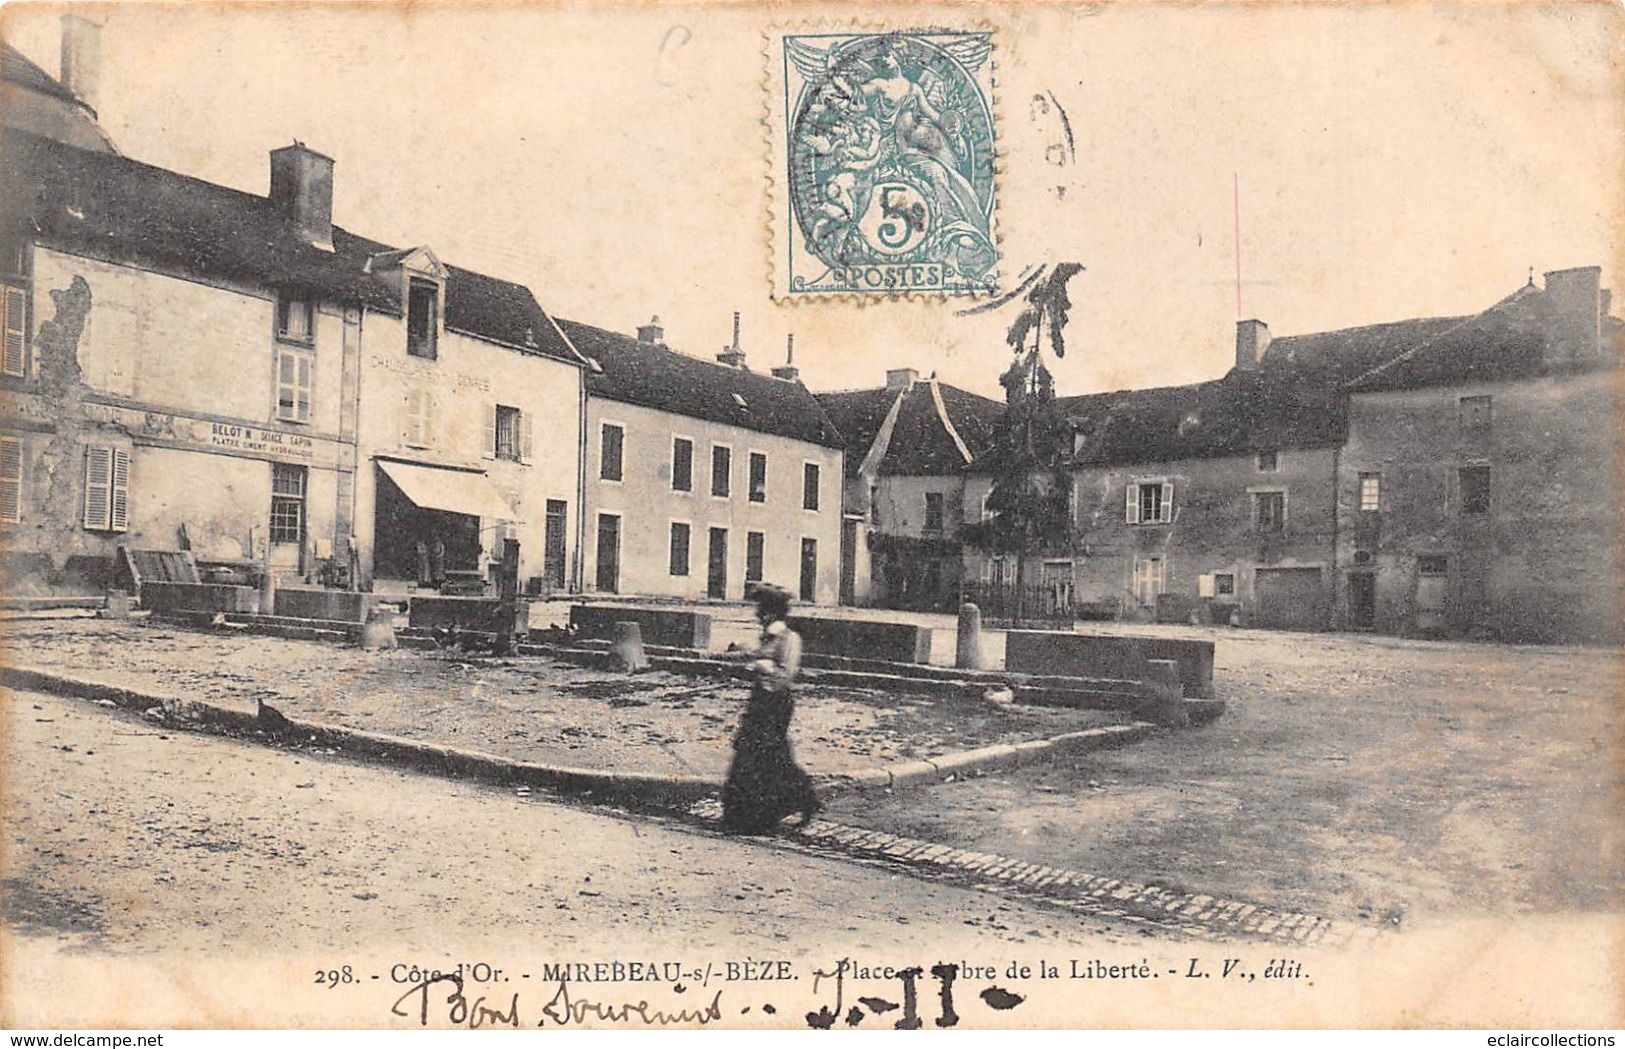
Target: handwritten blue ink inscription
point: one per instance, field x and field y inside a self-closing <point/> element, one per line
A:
<point x="890" y="163"/>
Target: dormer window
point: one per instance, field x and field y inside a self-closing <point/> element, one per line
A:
<point x="295" y="319"/>
<point x="422" y="318"/>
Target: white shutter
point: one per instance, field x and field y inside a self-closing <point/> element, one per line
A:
<point x="526" y="448"/>
<point x="11" y="480"/>
<point x="1132" y="512"/>
<point x="411" y="428"/>
<point x="1167" y="502"/>
<point x="16" y="326"/>
<point x="1204" y="585"/>
<point x="305" y="384"/>
<point x="490" y="451"/>
<point x="98" y="482"/>
<point x="119" y="518"/>
<point x="431" y="421"/>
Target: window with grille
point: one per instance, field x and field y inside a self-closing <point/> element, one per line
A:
<point x="682" y="464"/>
<point x="758" y="477"/>
<point x="287" y="503"/>
<point x="14" y="314"/>
<point x="611" y="439"/>
<point x="294" y="368"/>
<point x="1269" y="511"/>
<point x="679" y="548"/>
<point x="809" y="486"/>
<point x="1370" y="492"/>
<point x="422" y="318"/>
<point x="11" y="480"/>
<point x="107" y="489"/>
<point x="1150" y="502"/>
<point x="295" y="320"/>
<point x="509" y="436"/>
<point x="721" y="469"/>
<point x="933" y="511"/>
<point x="1224" y="584"/>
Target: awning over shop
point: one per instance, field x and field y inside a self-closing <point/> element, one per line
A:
<point x="459" y="491"/>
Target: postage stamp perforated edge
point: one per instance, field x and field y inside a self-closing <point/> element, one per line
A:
<point x="779" y="221"/>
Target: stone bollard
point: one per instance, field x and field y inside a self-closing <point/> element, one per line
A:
<point x="378" y="632"/>
<point x="968" y="646"/>
<point x="626" y="648"/>
<point x="1165" y="695"/>
<point x="118" y="605"/>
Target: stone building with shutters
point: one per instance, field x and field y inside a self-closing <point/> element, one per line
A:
<point x="189" y="366"/>
<point x="1446" y="475"/>
<point x="704" y="477"/>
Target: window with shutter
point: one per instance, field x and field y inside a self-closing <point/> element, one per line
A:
<point x="721" y="470"/>
<point x="527" y="451"/>
<point x="119" y="511"/>
<point x="1131" y="512"/>
<point x="611" y="440"/>
<point x="1166" y="508"/>
<point x="293" y="382"/>
<point x="11" y="480"/>
<point x="107" y="489"/>
<point x="14" y="306"/>
<point x="809" y="486"/>
<point x="682" y="464"/>
<point x="98" y="484"/>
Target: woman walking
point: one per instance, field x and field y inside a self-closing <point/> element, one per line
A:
<point x="764" y="782"/>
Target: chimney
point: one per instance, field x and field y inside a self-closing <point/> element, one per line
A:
<point x="652" y="332"/>
<point x="82" y="58"/>
<point x="302" y="189"/>
<point x="1252" y="339"/>
<point x="901" y="378"/>
<point x="1574" y="298"/>
<point x="788" y="370"/>
<point x="733" y="356"/>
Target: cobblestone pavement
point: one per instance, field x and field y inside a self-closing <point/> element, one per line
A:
<point x="1153" y="908"/>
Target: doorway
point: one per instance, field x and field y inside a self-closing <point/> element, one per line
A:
<point x="1362" y="600"/>
<point x="716" y="573"/>
<point x="609" y="553"/>
<point x="809" y="569"/>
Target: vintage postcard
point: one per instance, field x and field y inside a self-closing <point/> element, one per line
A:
<point x="719" y="516"/>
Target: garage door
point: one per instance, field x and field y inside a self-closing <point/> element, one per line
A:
<point x="1291" y="599"/>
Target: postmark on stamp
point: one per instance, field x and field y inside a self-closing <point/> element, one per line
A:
<point x="886" y="164"/>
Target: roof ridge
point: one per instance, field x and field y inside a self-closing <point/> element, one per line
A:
<point x="1432" y="339"/>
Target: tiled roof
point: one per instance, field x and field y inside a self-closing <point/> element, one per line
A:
<point x="1296" y="398"/>
<point x="858" y="415"/>
<point x="919" y="444"/>
<point x="17" y="68"/>
<point x="653" y="376"/>
<point x="117" y="209"/>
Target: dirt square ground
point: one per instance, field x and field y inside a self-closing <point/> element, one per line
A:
<point x="531" y="709"/>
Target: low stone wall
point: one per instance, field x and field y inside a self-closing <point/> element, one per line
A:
<point x="658" y="626"/>
<point x="349" y="606"/>
<point x="1098" y="656"/>
<point x="198" y="597"/>
<point x="863" y="639"/>
<point x="481" y="614"/>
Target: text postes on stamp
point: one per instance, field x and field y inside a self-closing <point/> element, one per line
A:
<point x="888" y="164"/>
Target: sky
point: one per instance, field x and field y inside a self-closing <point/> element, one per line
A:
<point x="1384" y="161"/>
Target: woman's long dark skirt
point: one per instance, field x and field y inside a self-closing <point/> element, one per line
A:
<point x="764" y="782"/>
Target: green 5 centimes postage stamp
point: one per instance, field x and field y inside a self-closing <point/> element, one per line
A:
<point x="886" y="180"/>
